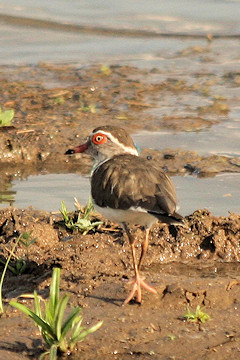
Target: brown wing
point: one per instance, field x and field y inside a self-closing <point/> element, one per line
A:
<point x="128" y="181"/>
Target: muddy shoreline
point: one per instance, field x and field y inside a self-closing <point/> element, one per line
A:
<point x="56" y="106"/>
<point x="190" y="266"/>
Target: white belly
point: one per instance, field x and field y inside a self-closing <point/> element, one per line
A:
<point x="131" y="216"/>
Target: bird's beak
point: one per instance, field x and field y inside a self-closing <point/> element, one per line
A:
<point x="77" y="149"/>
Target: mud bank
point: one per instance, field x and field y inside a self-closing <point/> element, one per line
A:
<point x="193" y="265"/>
<point x="56" y="105"/>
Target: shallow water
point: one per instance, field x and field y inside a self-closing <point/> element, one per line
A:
<point x="167" y="15"/>
<point x="22" y="42"/>
<point x="219" y="194"/>
<point x="220" y="139"/>
<point x="188" y="270"/>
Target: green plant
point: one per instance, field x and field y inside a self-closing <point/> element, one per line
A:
<point x="6" y="194"/>
<point x="27" y="241"/>
<point x="6" y="117"/>
<point x="18" y="267"/>
<point x="83" y="222"/>
<point x="105" y="70"/>
<point x="59" y="335"/>
<point x="197" y="316"/>
<point x="5" y="269"/>
<point x="89" y="108"/>
<point x="171" y="337"/>
<point x="59" y="100"/>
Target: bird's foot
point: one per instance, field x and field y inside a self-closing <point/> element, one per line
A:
<point x="139" y="282"/>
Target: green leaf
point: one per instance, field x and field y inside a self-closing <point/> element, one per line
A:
<point x="32" y="241"/>
<point x="6" y="117"/>
<point x="198" y="315"/>
<point x="53" y="352"/>
<point x="26" y="235"/>
<point x="88" y="208"/>
<point x="54" y="291"/>
<point x="40" y="322"/>
<point x="83" y="222"/>
<point x="105" y="70"/>
<point x="70" y="321"/>
<point x="37" y="304"/>
<point x="48" y="314"/>
<point x="95" y="327"/>
<point x="64" y="212"/>
<point x="60" y="309"/>
<point x="81" y="335"/>
<point x="53" y="332"/>
<point x="76" y="327"/>
<point x="44" y="354"/>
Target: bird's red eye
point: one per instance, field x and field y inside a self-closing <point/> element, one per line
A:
<point x="99" y="138"/>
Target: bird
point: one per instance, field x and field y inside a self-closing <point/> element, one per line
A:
<point x="128" y="189"/>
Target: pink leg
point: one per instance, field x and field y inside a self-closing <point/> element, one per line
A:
<point x="144" y="247"/>
<point x="138" y="282"/>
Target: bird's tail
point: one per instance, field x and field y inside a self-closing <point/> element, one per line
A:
<point x="171" y="219"/>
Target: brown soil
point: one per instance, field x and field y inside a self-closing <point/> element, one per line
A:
<point x="56" y="107"/>
<point x="189" y="266"/>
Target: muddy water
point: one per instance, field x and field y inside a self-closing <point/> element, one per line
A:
<point x="32" y="41"/>
<point x="170" y="16"/>
<point x="219" y="194"/>
<point x="221" y="139"/>
<point x="205" y="271"/>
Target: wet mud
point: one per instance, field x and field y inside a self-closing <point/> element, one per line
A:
<point x="197" y="264"/>
<point x="55" y="107"/>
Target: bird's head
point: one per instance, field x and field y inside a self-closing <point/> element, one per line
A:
<point x="105" y="142"/>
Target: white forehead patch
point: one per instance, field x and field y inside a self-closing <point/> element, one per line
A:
<point x="127" y="149"/>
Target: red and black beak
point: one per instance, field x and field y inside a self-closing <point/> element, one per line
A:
<point x="77" y="149"/>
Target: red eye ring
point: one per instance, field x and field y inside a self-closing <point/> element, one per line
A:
<point x="99" y="138"/>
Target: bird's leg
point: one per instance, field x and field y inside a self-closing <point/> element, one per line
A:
<point x="144" y="247"/>
<point x="138" y="281"/>
<point x="143" y="252"/>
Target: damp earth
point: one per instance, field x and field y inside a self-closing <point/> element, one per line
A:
<point x="56" y="106"/>
<point x="189" y="266"/>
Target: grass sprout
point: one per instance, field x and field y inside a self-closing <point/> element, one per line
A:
<point x="105" y="70"/>
<point x="18" y="267"/>
<point x="59" y="332"/>
<point x="6" y="117"/>
<point x="83" y="222"/>
<point x="171" y="337"/>
<point x="6" y="265"/>
<point x="198" y="316"/>
<point x="26" y="240"/>
<point x="91" y="108"/>
<point x="59" y="100"/>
